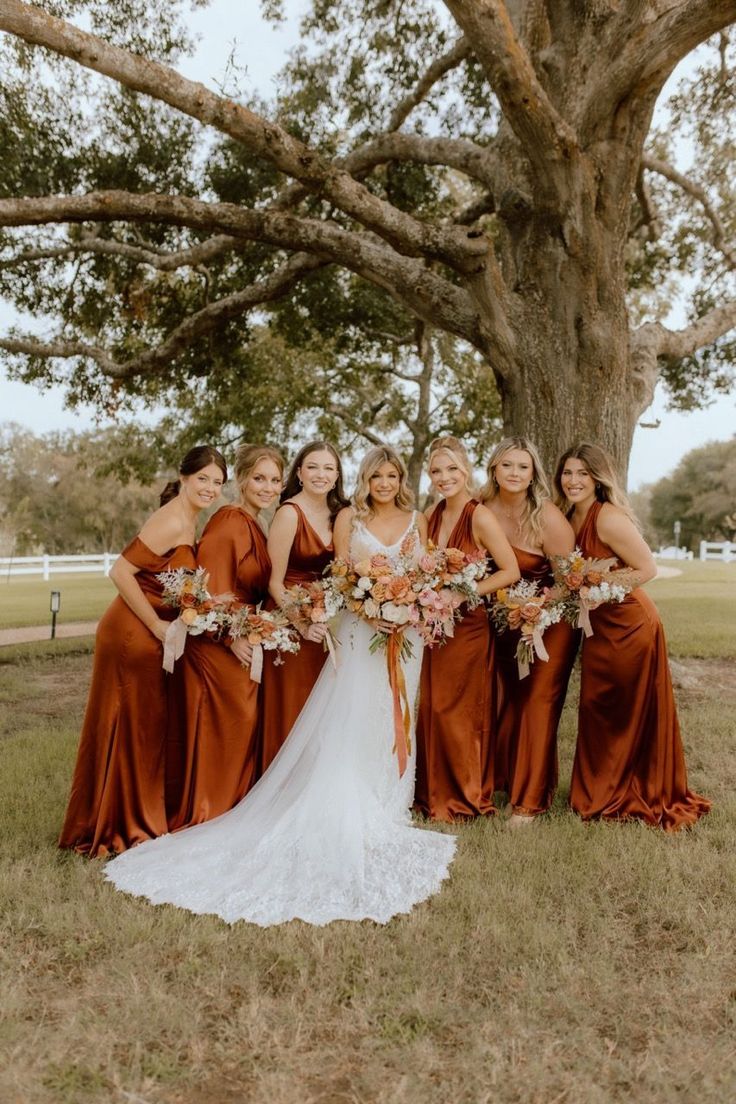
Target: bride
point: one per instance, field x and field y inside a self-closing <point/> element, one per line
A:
<point x="326" y="833"/>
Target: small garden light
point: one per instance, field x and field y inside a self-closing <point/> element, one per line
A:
<point x="55" y="607"/>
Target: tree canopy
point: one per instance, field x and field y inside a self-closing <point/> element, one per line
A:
<point x="444" y="200"/>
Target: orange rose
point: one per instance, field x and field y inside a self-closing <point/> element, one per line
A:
<point x="514" y="617"/>
<point x="455" y="558"/>
<point x="379" y="591"/>
<point x="595" y="577"/>
<point x="189" y="616"/>
<point x="363" y="567"/>
<point x="188" y="600"/>
<point x="574" y="580"/>
<point x="531" y="612"/>
<point x="398" y="589"/>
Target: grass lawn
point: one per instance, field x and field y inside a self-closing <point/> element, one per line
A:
<point x="25" y="601"/>
<point x="568" y="964"/>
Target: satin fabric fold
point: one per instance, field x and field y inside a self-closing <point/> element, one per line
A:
<point x="213" y="745"/>
<point x="117" y="792"/>
<point x="287" y="687"/>
<point x="454" y="754"/>
<point x="528" y="710"/>
<point x="629" y="759"/>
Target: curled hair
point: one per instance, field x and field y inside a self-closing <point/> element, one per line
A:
<point x="201" y="456"/>
<point x="369" y="465"/>
<point x="455" y="449"/>
<point x="537" y="493"/>
<point x="249" y="456"/>
<point x="336" y="498"/>
<point x="600" y="467"/>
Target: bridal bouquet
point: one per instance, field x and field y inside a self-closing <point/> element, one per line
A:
<point x="583" y="583"/>
<point x="315" y="602"/>
<point x="525" y="608"/>
<point x="265" y="631"/>
<point x="199" y="612"/>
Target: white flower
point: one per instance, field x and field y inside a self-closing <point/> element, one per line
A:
<point x="371" y="607"/>
<point x="395" y="615"/>
<point x="364" y="583"/>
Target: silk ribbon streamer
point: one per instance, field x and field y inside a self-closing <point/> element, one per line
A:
<point x="584" y="618"/>
<point x="176" y="638"/>
<point x="402" y="714"/>
<point x="330" y="645"/>
<point x="256" y="663"/>
<point x="539" y="649"/>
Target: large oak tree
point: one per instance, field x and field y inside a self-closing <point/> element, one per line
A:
<point x="483" y="164"/>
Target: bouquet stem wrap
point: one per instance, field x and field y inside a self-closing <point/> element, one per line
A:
<point x="256" y="663"/>
<point x="402" y="714"/>
<point x="176" y="638"/>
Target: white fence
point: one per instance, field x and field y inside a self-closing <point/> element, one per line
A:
<point x="46" y="566"/>
<point x="715" y="550"/>
<point x="673" y="552"/>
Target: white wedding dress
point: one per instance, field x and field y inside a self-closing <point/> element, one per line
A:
<point x="326" y="833"/>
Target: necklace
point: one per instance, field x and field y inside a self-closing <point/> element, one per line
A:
<point x="512" y="516"/>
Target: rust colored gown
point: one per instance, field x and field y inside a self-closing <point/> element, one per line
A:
<point x="528" y="710"/>
<point x="454" y="761"/>
<point x="213" y="741"/>
<point x="287" y="687"/>
<point x="629" y="761"/>
<point x="117" y="794"/>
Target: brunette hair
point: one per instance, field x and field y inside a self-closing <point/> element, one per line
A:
<point x="336" y="498"/>
<point x="537" y="493"/>
<point x="600" y="466"/>
<point x="369" y="465"/>
<point x="197" y="458"/>
<point x="248" y="456"/>
<point x="457" y="451"/>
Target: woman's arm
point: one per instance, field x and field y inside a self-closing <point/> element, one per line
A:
<point x="123" y="574"/>
<point x="341" y="533"/>
<point x="280" y="539"/>
<point x="621" y="535"/>
<point x="489" y="535"/>
<point x="558" y="537"/>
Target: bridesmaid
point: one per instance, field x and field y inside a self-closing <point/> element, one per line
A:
<point x="629" y="761"/>
<point x="454" y="762"/>
<point x="117" y="795"/>
<point x="528" y="710"/>
<point x="300" y="545"/>
<point x="212" y="755"/>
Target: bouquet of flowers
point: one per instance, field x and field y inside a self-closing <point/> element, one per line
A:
<point x="525" y="608"/>
<point x="199" y="611"/>
<point x="582" y="583"/>
<point x="315" y="602"/>
<point x="265" y="631"/>
<point x="450" y="582"/>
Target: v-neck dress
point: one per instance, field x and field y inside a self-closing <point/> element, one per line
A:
<point x="117" y="794"/>
<point x="629" y="759"/>
<point x="213" y="747"/>
<point x="286" y="687"/>
<point x="454" y="746"/>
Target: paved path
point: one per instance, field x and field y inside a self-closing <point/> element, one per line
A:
<point x="43" y="632"/>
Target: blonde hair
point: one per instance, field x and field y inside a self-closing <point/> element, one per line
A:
<point x="369" y="465"/>
<point x="600" y="467"/>
<point x="248" y="456"/>
<point x="455" y="449"/>
<point x="537" y="493"/>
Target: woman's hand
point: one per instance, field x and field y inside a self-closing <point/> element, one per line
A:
<point x="159" y="629"/>
<point x="242" y="651"/>
<point x="315" y="632"/>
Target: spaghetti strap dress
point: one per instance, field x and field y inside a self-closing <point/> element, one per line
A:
<point x="528" y="710"/>
<point x="213" y="746"/>
<point x="629" y="760"/>
<point x="117" y="793"/>
<point x="286" y="687"/>
<point x="455" y="777"/>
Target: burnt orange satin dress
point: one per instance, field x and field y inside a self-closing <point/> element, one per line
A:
<point x="629" y="761"/>
<point x="528" y="710"/>
<point x="213" y="745"/>
<point x="287" y="687"/>
<point x="117" y="795"/>
<point x="454" y="762"/>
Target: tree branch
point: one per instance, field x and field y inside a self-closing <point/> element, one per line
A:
<point x="410" y="281"/>
<point x="163" y="262"/>
<point x="266" y="139"/>
<point x="691" y="188"/>
<point x="272" y="287"/>
<point x="546" y="138"/>
<point x="436" y="71"/>
<point x="653" y="342"/>
<point x="653" y="43"/>
<point x="457" y="153"/>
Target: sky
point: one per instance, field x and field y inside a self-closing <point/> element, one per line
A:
<point x="224" y="28"/>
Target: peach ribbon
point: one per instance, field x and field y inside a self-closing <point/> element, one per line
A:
<point x="256" y="663"/>
<point x="584" y="618"/>
<point x="540" y="651"/>
<point x="176" y="638"/>
<point x="330" y="645"/>
<point x="402" y="714"/>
